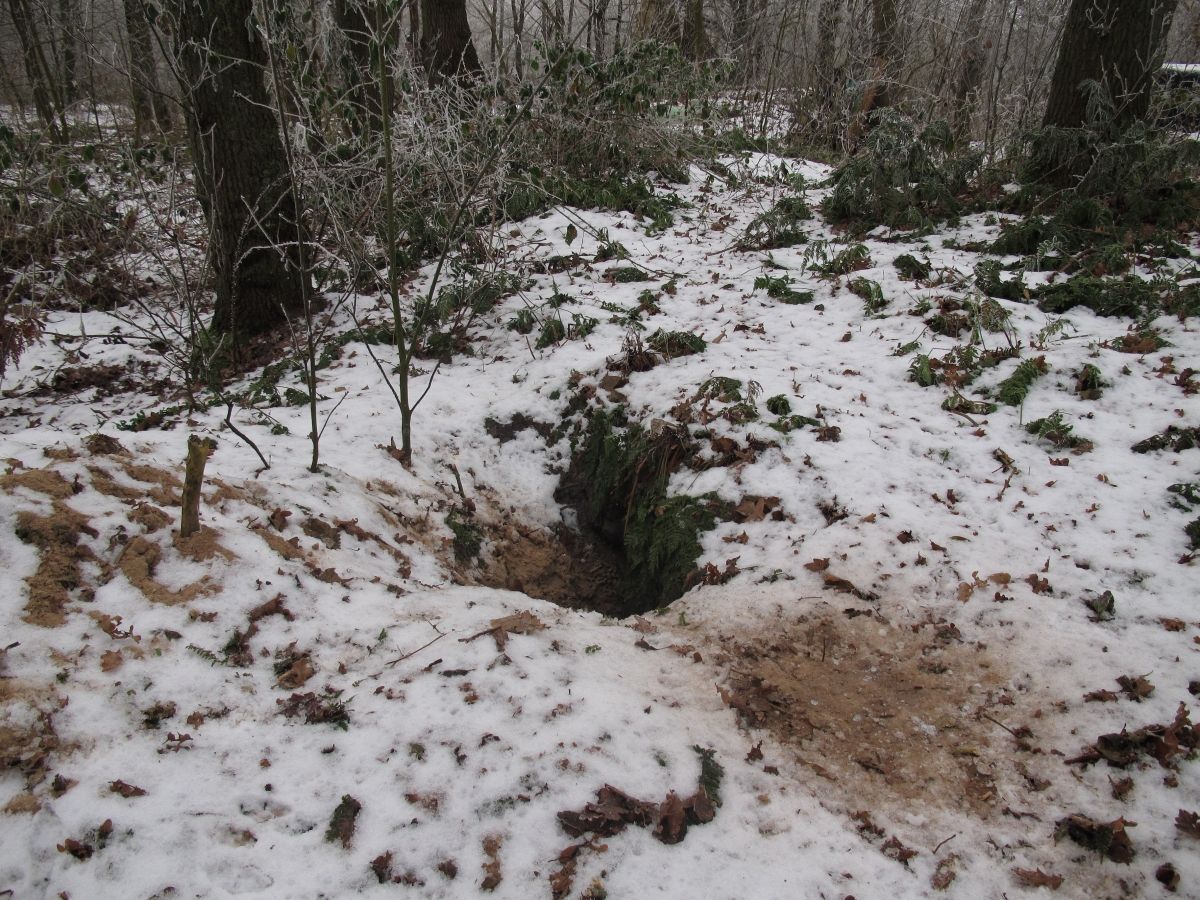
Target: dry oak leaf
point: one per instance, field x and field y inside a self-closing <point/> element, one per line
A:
<point x="754" y="509"/>
<point x="817" y="565"/>
<point x="643" y="626"/>
<point x="1038" y="878"/>
<point x="111" y="660"/>
<point x="1108" y="838"/>
<point x="297" y="674"/>
<point x="125" y="790"/>
<point x="1188" y="823"/>
<point x="1039" y="585"/>
<point x="524" y="622"/>
<point x="342" y="822"/>
<point x="492" y="874"/>
<point x="1136" y="688"/>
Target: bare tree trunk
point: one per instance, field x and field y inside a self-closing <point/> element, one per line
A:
<point x="68" y="25"/>
<point x="694" y="37"/>
<point x="242" y="176"/>
<point x="150" y="105"/>
<point x="353" y="19"/>
<point x="199" y="450"/>
<point x="447" y="47"/>
<point x="518" y="13"/>
<point x="881" y="92"/>
<point x="970" y="74"/>
<point x="657" y="20"/>
<point x="37" y="70"/>
<point x="1116" y="43"/>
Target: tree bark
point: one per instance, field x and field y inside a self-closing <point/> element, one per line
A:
<point x="881" y="91"/>
<point x="242" y="176"/>
<point x="354" y="19"/>
<point x="658" y="20"/>
<point x="67" y="23"/>
<point x="694" y="36"/>
<point x="972" y="58"/>
<point x="447" y="48"/>
<point x="199" y="450"/>
<point x="150" y="106"/>
<point x="1116" y="43"/>
<point x="37" y="70"/>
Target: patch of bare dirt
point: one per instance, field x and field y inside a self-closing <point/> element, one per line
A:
<point x="60" y="559"/>
<point x="202" y="546"/>
<point x="150" y="517"/>
<point x="42" y="481"/>
<point x="138" y="562"/>
<point x="560" y="565"/>
<point x="288" y="549"/>
<point x="879" y="711"/>
<point x="27" y="735"/>
<point x="165" y="485"/>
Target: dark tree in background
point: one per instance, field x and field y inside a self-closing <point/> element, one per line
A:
<point x="447" y="49"/>
<point x="885" y="26"/>
<point x="150" y="106"/>
<point x="1116" y="43"/>
<point x="357" y="20"/>
<point x="242" y="176"/>
<point x="47" y="97"/>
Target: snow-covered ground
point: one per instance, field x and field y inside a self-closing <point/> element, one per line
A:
<point x="893" y="680"/>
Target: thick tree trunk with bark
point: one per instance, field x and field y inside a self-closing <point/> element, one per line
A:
<point x="37" y="69"/>
<point x="694" y="38"/>
<point x="68" y="23"/>
<point x="881" y="90"/>
<point x="150" y="107"/>
<point x="658" y="20"/>
<point x="447" y="48"/>
<point x="356" y="20"/>
<point x="1116" y="43"/>
<point x="972" y="58"/>
<point x="242" y="176"/>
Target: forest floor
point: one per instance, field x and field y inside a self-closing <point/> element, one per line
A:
<point x="931" y="654"/>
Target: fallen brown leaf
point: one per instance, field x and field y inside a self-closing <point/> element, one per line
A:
<point x="1038" y="878"/>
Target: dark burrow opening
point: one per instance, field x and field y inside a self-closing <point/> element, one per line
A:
<point x="633" y="547"/>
